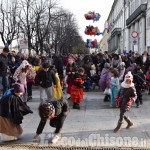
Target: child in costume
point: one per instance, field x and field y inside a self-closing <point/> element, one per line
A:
<point x="126" y="95"/>
<point x="114" y="86"/>
<point x="77" y="89"/>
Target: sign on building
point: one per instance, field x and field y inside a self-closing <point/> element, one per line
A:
<point x="23" y="44"/>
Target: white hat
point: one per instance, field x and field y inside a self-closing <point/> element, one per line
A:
<point x="122" y="64"/>
<point x="129" y="76"/>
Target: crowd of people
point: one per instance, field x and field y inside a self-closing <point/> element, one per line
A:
<point x="121" y="77"/>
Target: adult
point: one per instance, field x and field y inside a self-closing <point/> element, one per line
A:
<point x="4" y="83"/>
<point x="145" y="61"/>
<point x="105" y="79"/>
<point x="70" y="71"/>
<point x="45" y="77"/>
<point x="116" y="60"/>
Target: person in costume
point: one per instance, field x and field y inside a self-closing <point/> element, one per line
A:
<point x="126" y="95"/>
<point x="12" y="110"/>
<point x="77" y="89"/>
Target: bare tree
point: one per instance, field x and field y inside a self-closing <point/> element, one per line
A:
<point x="9" y="22"/>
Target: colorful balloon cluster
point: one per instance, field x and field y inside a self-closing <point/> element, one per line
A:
<point x="92" y="44"/>
<point x="92" y="16"/>
<point x="91" y="30"/>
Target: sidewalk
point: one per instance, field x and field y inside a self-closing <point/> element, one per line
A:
<point x="92" y="125"/>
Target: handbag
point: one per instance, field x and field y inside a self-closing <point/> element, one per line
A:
<point x="107" y="91"/>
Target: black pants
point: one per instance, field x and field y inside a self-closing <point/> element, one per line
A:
<point x="139" y="96"/>
<point x="58" y="122"/>
<point x="29" y="88"/>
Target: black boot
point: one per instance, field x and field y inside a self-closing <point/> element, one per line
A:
<point x="106" y="98"/>
<point x="129" y="123"/>
<point x="76" y="106"/>
<point x="118" y="127"/>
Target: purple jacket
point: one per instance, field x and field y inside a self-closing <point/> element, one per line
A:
<point x="105" y="79"/>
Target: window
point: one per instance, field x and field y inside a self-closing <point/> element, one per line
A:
<point x="148" y="49"/>
<point x="148" y="21"/>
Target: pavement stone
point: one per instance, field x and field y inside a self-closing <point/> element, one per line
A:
<point x="92" y="123"/>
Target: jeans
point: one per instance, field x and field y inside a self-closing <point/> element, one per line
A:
<point x="4" y="83"/>
<point x="47" y="91"/>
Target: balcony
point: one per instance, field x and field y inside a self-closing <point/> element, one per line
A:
<point x="116" y="31"/>
<point x="140" y="10"/>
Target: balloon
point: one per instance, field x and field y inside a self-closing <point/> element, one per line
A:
<point x="92" y="16"/>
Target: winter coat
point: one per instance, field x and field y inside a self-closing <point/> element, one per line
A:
<point x="45" y="79"/>
<point x="124" y="95"/>
<point x="3" y="65"/>
<point x="19" y="75"/>
<point x="13" y="108"/>
<point x="105" y="79"/>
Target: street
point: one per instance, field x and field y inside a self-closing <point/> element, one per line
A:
<point x="92" y="125"/>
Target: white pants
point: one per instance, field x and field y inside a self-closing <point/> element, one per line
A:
<point x="45" y="94"/>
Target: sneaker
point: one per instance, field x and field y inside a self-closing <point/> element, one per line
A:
<point x="6" y="138"/>
<point x="55" y="138"/>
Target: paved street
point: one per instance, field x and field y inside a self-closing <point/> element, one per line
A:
<point x="92" y="125"/>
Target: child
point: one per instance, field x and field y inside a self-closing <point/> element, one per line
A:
<point x="87" y="82"/>
<point x="77" y="89"/>
<point x="56" y="112"/>
<point x="114" y="86"/>
<point x="148" y="79"/>
<point x="126" y="92"/>
<point x="20" y="76"/>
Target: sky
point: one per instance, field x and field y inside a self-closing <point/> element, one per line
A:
<point x="81" y="7"/>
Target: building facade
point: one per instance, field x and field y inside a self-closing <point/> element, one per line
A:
<point x="129" y="25"/>
<point x="104" y="40"/>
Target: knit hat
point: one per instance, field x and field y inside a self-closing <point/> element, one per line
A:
<point x="46" y="109"/>
<point x="46" y="65"/>
<point x="129" y="76"/>
<point x="107" y="66"/>
<point x="18" y="88"/>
